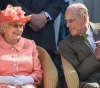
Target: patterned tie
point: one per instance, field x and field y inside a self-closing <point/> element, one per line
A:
<point x="85" y="38"/>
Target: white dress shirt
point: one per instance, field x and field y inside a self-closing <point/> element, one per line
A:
<point x="90" y="38"/>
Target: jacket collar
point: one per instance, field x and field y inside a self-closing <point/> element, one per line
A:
<point x="79" y="42"/>
<point x="6" y="46"/>
<point x="96" y="30"/>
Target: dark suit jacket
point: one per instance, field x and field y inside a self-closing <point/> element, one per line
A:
<point x="74" y="49"/>
<point x="3" y="4"/>
<point x="45" y="37"/>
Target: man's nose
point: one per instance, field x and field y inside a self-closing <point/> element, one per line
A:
<point x="68" y="24"/>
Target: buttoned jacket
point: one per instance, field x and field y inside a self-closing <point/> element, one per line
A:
<point x="20" y="59"/>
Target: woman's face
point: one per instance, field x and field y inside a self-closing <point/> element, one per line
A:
<point x="13" y="31"/>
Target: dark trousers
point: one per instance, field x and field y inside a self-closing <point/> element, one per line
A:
<point x="61" y="82"/>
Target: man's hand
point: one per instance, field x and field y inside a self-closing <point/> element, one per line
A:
<point x="33" y="27"/>
<point x="37" y="21"/>
<point x="97" y="50"/>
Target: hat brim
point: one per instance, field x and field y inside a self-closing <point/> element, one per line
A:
<point x="23" y="20"/>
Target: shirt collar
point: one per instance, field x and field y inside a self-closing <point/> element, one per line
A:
<point x="89" y="31"/>
<point x="6" y="46"/>
<point x="20" y="44"/>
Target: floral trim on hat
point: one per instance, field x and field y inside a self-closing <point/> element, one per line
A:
<point x="14" y="12"/>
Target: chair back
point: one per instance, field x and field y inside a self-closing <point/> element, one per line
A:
<point x="50" y="74"/>
<point x="70" y="74"/>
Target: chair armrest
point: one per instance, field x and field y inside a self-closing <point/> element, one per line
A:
<point x="70" y="73"/>
<point x="50" y="74"/>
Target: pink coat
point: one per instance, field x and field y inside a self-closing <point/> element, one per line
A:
<point x="20" y="59"/>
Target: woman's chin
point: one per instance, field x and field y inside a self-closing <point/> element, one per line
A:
<point x="17" y="37"/>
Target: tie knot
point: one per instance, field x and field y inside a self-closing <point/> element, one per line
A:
<point x="85" y="36"/>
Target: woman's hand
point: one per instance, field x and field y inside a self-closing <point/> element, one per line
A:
<point x="22" y="80"/>
<point x="7" y="80"/>
<point x="18" y="80"/>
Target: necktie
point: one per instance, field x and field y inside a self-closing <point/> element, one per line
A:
<point x="85" y="38"/>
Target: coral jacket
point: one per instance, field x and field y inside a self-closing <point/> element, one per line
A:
<point x="20" y="59"/>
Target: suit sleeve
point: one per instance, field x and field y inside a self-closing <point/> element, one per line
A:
<point x="54" y="8"/>
<point x="16" y="3"/>
<point x="3" y="4"/>
<point x="84" y="67"/>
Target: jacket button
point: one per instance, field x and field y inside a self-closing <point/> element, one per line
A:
<point x="12" y="48"/>
<point x="14" y="65"/>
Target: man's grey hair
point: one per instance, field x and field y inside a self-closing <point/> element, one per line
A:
<point x="80" y="8"/>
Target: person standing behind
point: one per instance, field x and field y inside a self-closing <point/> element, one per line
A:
<point x="3" y="4"/>
<point x="82" y="52"/>
<point x="41" y="25"/>
<point x="63" y="31"/>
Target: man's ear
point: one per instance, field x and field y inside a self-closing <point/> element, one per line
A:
<point x="85" y="19"/>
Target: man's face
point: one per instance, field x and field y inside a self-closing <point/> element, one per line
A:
<point x="74" y="22"/>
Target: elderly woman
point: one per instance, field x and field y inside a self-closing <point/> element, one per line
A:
<point x="19" y="63"/>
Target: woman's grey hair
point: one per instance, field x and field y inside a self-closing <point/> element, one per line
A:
<point x="80" y="9"/>
<point x="2" y="29"/>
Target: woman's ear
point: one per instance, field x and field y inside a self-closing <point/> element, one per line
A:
<point x="2" y="29"/>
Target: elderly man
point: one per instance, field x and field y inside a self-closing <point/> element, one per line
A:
<point x="82" y="46"/>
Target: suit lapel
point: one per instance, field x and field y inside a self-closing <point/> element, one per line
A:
<point x="96" y="31"/>
<point x="80" y="44"/>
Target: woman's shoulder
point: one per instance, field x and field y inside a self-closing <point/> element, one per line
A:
<point x="29" y="44"/>
<point x="29" y="41"/>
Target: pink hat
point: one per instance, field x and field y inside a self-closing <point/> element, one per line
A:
<point x="13" y="14"/>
